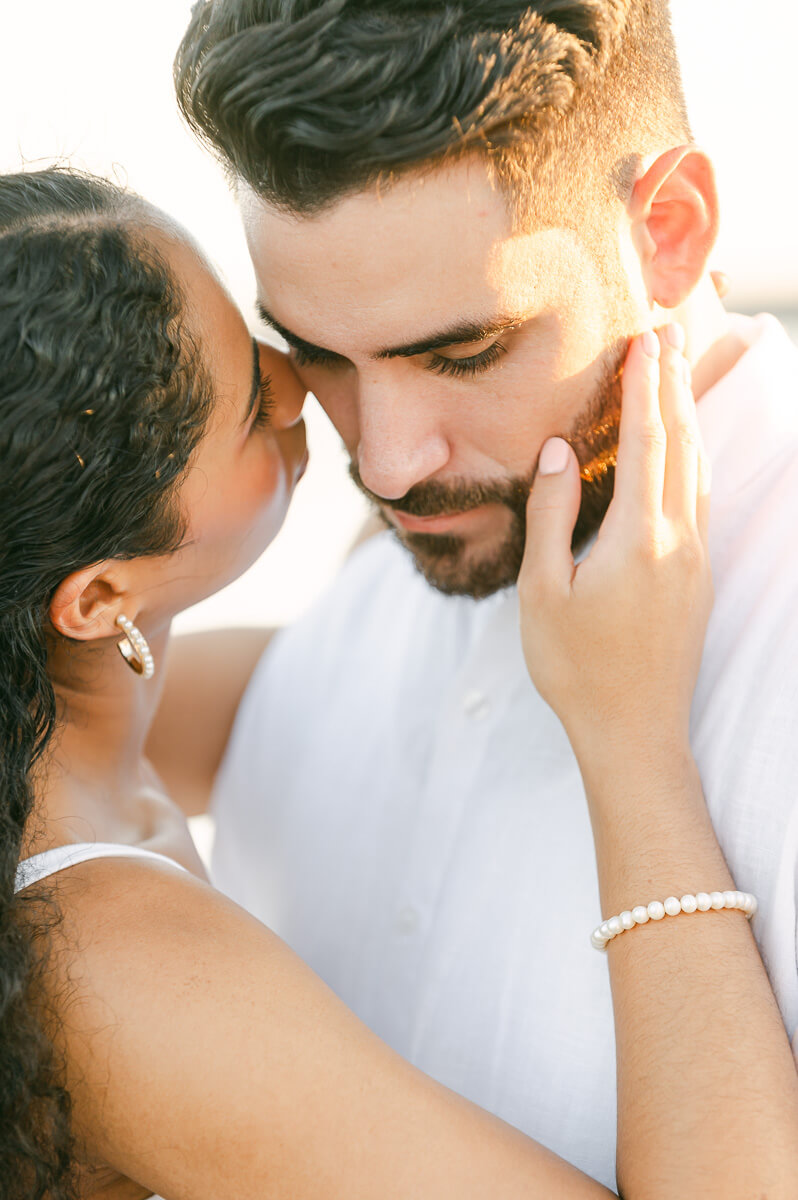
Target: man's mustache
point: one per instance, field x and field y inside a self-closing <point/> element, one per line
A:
<point x="594" y="439"/>
<point x="437" y="499"/>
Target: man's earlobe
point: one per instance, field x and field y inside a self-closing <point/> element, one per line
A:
<point x="675" y="216"/>
<point x="85" y="606"/>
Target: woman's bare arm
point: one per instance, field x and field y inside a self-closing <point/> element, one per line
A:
<point x="206" y="677"/>
<point x="695" y="1016"/>
<point x="206" y="1060"/>
<point x="707" y="1086"/>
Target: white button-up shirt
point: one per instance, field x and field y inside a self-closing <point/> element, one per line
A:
<point x="399" y="804"/>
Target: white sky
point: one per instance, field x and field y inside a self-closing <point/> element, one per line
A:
<point x="91" y="81"/>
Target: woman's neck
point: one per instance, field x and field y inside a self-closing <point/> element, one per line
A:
<point x="96" y="774"/>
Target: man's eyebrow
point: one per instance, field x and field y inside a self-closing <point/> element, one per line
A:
<point x="463" y="333"/>
<point x="293" y="339"/>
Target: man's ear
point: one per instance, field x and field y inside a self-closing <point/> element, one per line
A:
<point x="85" y="606"/>
<point x="675" y="216"/>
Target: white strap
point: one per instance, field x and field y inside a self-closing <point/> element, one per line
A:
<point x="49" y="862"/>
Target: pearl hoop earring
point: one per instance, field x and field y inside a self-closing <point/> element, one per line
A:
<point x="135" y="650"/>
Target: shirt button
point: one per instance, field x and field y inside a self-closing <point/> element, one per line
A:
<point x="408" y="920"/>
<point x="476" y="705"/>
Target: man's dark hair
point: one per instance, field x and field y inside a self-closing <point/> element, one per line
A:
<point x="310" y="100"/>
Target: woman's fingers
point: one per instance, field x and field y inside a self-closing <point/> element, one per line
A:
<point x="662" y="475"/>
<point x="551" y="514"/>
<point x="678" y="409"/>
<point x="686" y="492"/>
<point x="722" y="283"/>
<point x="626" y="625"/>
<point x="662" y="468"/>
<point x="640" y="471"/>
<point x="704" y="487"/>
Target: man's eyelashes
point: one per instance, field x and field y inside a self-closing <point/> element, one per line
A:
<point x="461" y="368"/>
<point x="307" y="356"/>
<point x="467" y="368"/>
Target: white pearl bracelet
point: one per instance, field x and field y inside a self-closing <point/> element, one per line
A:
<point x="657" y="909"/>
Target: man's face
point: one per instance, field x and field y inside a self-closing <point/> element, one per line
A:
<point x="446" y="348"/>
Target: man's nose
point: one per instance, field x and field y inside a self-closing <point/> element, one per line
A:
<point x="400" y="441"/>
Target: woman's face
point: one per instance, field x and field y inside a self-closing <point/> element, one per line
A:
<point x="236" y="492"/>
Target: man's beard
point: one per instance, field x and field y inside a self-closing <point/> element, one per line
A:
<point x="444" y="559"/>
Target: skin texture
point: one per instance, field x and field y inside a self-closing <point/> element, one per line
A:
<point x="320" y="1106"/>
<point x="238" y="489"/>
<point x="702" y="977"/>
<point x="188" y="753"/>
<point x="381" y="271"/>
<point x="445" y="243"/>
<point x="323" y="280"/>
<point x="265" y="1081"/>
<point x="236" y="495"/>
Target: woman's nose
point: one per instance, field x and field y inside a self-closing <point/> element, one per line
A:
<point x="288" y="394"/>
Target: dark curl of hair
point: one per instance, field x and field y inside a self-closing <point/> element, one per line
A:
<point x="102" y="401"/>
<point x="308" y="100"/>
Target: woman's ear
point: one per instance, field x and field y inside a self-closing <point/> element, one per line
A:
<point x="675" y="216"/>
<point x="85" y="606"/>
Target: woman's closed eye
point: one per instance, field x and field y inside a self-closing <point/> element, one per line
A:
<point x="265" y="408"/>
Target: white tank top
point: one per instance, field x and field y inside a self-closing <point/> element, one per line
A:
<point x="49" y="862"/>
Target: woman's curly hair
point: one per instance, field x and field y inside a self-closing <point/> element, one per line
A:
<point x="103" y="399"/>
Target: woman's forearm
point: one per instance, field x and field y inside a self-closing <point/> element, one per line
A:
<point x="708" y="1096"/>
<point x="707" y="1086"/>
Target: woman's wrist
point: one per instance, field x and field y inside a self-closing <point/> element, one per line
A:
<point x="632" y="752"/>
<point x="652" y="831"/>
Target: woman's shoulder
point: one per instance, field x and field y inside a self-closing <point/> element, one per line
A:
<point x="151" y="973"/>
<point x="133" y="935"/>
<point x="115" y="908"/>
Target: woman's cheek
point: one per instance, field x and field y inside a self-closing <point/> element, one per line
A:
<point x="263" y="497"/>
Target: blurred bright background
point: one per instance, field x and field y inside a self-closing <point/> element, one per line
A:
<point x="90" y="81"/>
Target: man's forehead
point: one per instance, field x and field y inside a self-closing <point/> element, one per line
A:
<point x="379" y="235"/>
<point x="376" y="273"/>
<point x="465" y="186"/>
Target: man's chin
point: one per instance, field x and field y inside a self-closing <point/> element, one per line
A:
<point x="455" y="566"/>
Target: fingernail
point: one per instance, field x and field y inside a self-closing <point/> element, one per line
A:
<point x="675" y="336"/>
<point x="554" y="457"/>
<point x="651" y="343"/>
